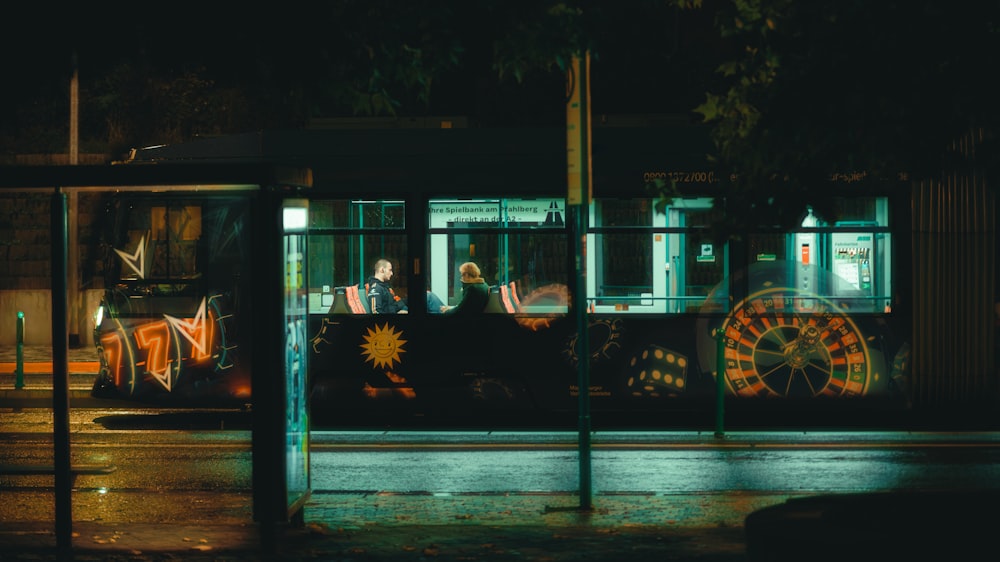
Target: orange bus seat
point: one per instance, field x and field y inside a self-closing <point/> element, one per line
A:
<point x="505" y="299"/>
<point x="354" y="300"/>
<point x="514" y="298"/>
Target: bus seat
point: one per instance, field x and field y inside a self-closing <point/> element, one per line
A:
<point x="366" y="304"/>
<point x="513" y="297"/>
<point x="340" y="304"/>
<point x="505" y="299"/>
<point x="493" y="304"/>
<point x="354" y="300"/>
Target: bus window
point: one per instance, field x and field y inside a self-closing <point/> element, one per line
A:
<point x="175" y="301"/>
<point x="175" y="231"/>
<point x="346" y="238"/>
<point x="645" y="261"/>
<point x="518" y="244"/>
<point x="846" y="263"/>
<point x="163" y="250"/>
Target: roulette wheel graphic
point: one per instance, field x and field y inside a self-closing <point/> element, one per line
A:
<point x="772" y="348"/>
<point x="783" y="342"/>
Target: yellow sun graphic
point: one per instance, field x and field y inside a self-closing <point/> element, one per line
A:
<point x="383" y="346"/>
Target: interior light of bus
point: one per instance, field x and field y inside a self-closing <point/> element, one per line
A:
<point x="295" y="218"/>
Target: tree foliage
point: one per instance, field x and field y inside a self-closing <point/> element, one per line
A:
<point x="877" y="88"/>
<point x="177" y="74"/>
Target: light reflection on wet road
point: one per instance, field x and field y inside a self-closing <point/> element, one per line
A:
<point x="657" y="471"/>
<point x="203" y="471"/>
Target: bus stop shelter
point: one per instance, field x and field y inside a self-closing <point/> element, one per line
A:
<point x="280" y="440"/>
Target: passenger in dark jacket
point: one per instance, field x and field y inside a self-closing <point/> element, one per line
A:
<point x="381" y="297"/>
<point x="475" y="291"/>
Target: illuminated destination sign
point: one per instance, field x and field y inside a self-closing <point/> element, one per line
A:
<point x="681" y="177"/>
<point x="703" y="176"/>
<point x="520" y="211"/>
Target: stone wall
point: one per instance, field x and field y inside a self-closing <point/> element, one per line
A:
<point x="37" y="308"/>
<point x="26" y="240"/>
<point x="26" y="263"/>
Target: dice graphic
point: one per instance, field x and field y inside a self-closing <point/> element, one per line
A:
<point x="657" y="372"/>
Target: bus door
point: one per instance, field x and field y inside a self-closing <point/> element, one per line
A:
<point x="627" y="257"/>
<point x="695" y="264"/>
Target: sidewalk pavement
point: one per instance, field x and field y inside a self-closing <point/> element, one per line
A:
<point x="34" y="386"/>
<point x="494" y="527"/>
<point x="37" y="360"/>
<point x="43" y="354"/>
<point x="729" y="527"/>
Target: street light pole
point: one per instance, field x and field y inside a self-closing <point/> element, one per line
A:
<point x="73" y="267"/>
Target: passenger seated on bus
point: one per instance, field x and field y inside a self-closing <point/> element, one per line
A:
<point x="475" y="291"/>
<point x="381" y="297"/>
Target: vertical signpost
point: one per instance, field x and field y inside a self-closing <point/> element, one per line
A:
<point x="578" y="202"/>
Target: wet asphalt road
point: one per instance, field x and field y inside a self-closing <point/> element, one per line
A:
<point x="209" y="465"/>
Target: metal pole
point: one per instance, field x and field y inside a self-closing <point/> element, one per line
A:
<point x="60" y="378"/>
<point x="267" y="381"/>
<point x="19" y="367"/>
<point x="583" y="353"/>
<point x="577" y="204"/>
<point x="73" y="269"/>
<point x="720" y="380"/>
